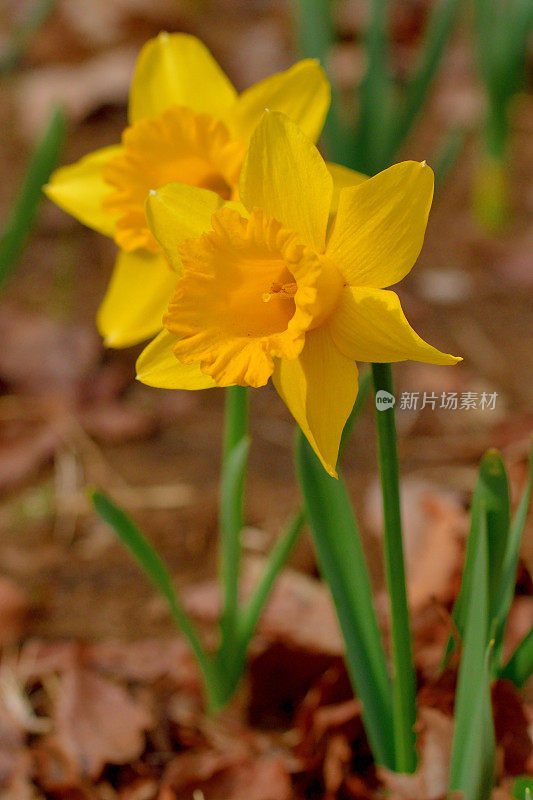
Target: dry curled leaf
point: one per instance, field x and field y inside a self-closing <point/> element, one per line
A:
<point x="226" y="777"/>
<point x="97" y="721"/>
<point x="80" y="89"/>
<point x="41" y="357"/>
<point x="24" y="455"/>
<point x="434" y="524"/>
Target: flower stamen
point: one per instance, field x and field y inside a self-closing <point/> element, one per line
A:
<point x="285" y="291"/>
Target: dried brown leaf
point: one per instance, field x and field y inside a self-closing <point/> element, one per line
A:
<point x="22" y="457"/>
<point x="97" y="721"/>
<point x="226" y="777"/>
<point x="14" y="606"/>
<point x="434" y="524"/>
<point x="42" y="357"/>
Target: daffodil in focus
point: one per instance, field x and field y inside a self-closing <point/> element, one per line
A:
<point x="270" y="288"/>
<point x="187" y="124"/>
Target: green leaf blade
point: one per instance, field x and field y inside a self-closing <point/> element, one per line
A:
<point x="24" y="212"/>
<point x="155" y="570"/>
<point x="473" y="747"/>
<point x="344" y="568"/>
<point x="510" y="564"/>
<point x="490" y="511"/>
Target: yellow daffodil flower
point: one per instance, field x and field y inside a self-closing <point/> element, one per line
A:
<point x="268" y="290"/>
<point x="187" y="124"/>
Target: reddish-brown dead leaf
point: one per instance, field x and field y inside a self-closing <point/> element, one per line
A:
<point x="97" y="721"/>
<point x="434" y="524"/>
<point x="336" y="763"/>
<point x="511" y="725"/>
<point x="14" y="606"/>
<point x="11" y="745"/>
<point x="116" y="421"/>
<point x="147" y="660"/>
<point x="226" y="777"/>
<point x="42" y="357"/>
<point x="141" y="789"/>
<point x="20" y="786"/>
<point x="23" y="456"/>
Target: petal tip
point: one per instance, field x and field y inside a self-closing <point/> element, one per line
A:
<point x="109" y="340"/>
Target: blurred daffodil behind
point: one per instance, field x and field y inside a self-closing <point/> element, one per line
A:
<point x="270" y="287"/>
<point x="187" y="123"/>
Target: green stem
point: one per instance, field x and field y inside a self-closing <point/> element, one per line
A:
<point x="404" y="684"/>
<point x="231" y="664"/>
<point x="234" y="460"/>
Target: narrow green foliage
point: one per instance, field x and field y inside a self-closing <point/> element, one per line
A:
<point x="447" y="155"/>
<point x="156" y="571"/>
<point x="473" y="748"/>
<point x="503" y="29"/>
<point x="24" y="211"/>
<point x="519" y="668"/>
<point x="316" y="36"/>
<point x="490" y="508"/>
<point x="280" y="552"/>
<point x="490" y="512"/>
<point x="343" y="566"/>
<point x="442" y="20"/>
<point x="509" y="566"/>
<point x="221" y="671"/>
<point x="404" y="684"/>
<point x="376" y="96"/>
<point x="21" y="37"/>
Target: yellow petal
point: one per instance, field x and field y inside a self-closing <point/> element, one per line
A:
<point x="369" y="325"/>
<point x="158" y="366"/>
<point x="343" y="177"/>
<point x="80" y="188"/>
<point x="301" y="92"/>
<point x="178" y="211"/>
<point x="319" y="388"/>
<point x="380" y="225"/>
<point x="140" y="288"/>
<point x="285" y="176"/>
<point x="178" y="70"/>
